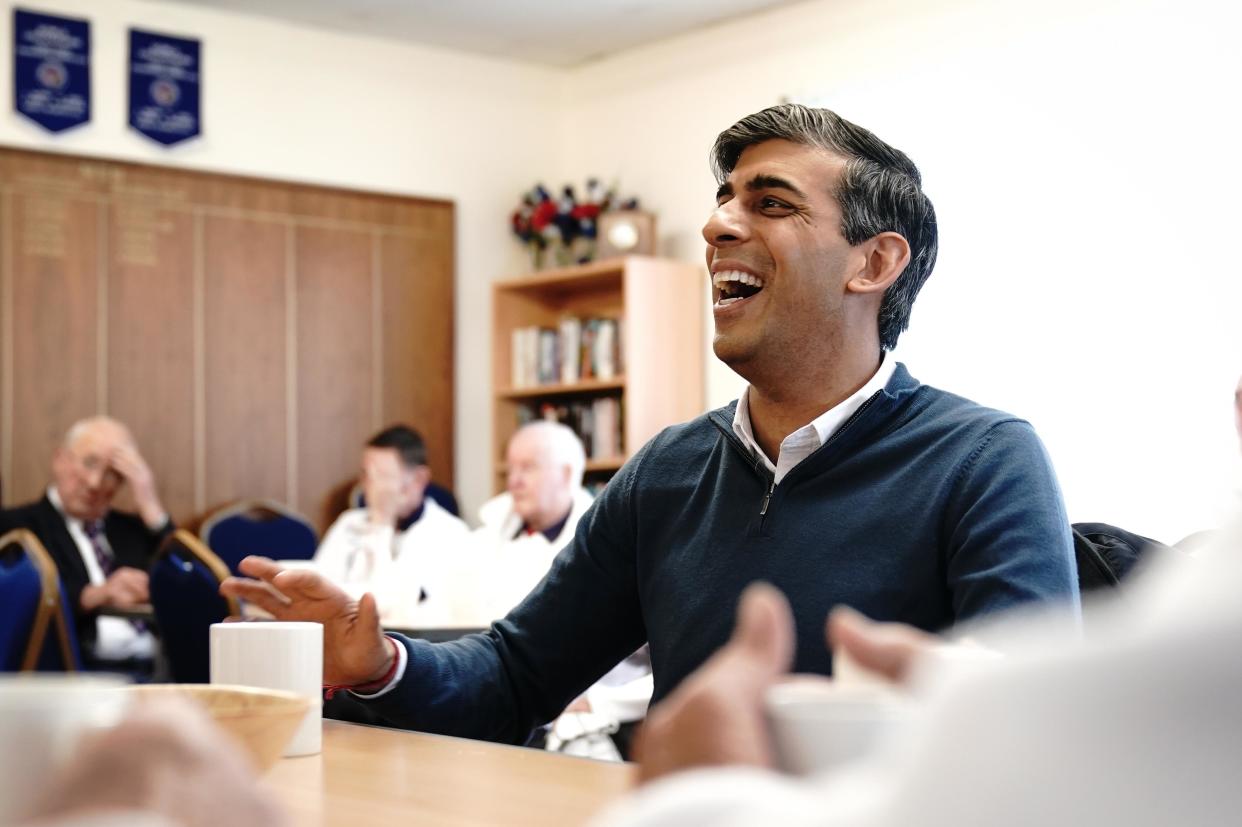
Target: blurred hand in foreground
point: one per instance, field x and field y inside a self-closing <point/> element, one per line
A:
<point x="716" y="717"/>
<point x="166" y="759"/>
<point x="887" y="649"/>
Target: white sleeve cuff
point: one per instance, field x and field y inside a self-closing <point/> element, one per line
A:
<point x="403" y="658"/>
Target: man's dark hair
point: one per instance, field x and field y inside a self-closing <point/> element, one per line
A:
<point x="407" y="442"/>
<point x="880" y="191"/>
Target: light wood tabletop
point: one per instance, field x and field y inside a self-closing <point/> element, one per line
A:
<point x="377" y="777"/>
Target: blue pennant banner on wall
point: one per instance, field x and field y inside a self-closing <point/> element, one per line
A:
<point x="164" y="85"/>
<point x="52" y="69"/>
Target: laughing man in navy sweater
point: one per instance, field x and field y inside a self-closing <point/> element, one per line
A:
<point x="837" y="476"/>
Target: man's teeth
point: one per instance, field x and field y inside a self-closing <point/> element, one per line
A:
<point x="723" y="277"/>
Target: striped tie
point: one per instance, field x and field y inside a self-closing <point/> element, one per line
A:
<point x="95" y="533"/>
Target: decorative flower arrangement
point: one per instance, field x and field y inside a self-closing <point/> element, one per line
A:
<point x="565" y="226"/>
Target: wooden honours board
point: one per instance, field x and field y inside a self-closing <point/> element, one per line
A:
<point x="253" y="334"/>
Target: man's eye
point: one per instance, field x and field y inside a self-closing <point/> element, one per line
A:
<point x="772" y="204"/>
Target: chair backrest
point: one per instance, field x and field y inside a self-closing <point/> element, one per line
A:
<point x="185" y="594"/>
<point x="65" y="655"/>
<point x="260" y="527"/>
<point x="32" y="605"/>
<point x="443" y="497"/>
<point x="1107" y="555"/>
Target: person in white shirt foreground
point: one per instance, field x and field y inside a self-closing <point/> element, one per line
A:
<point x="166" y="765"/>
<point x="1137" y="724"/>
<point x="397" y="546"/>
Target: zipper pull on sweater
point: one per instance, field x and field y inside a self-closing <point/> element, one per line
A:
<point x="767" y="498"/>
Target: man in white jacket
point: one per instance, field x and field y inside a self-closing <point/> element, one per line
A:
<point x="522" y="531"/>
<point x="397" y="546"/>
<point x="525" y="528"/>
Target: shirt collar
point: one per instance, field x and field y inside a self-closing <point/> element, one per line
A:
<point x="824" y="425"/>
<point x="53" y="497"/>
<point x="551" y="532"/>
<point x="404" y="523"/>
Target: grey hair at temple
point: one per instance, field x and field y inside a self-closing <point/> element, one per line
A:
<point x="880" y="191"/>
<point x="83" y="426"/>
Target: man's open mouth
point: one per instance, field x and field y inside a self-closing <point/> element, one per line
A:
<point x="733" y="285"/>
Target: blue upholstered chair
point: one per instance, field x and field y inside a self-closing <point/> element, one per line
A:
<point x="443" y="497"/>
<point x="259" y="527"/>
<point x="36" y="631"/>
<point x="185" y="593"/>
<point x="62" y="653"/>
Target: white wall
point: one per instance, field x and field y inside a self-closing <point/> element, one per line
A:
<point x="1082" y="159"/>
<point x="312" y="106"/>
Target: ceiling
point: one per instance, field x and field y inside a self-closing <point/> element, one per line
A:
<point x="559" y="33"/>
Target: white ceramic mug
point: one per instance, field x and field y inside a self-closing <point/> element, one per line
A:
<point x="41" y="718"/>
<point x="818" y="724"/>
<point x="275" y="655"/>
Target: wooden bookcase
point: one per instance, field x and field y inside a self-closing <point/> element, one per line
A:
<point x="661" y="383"/>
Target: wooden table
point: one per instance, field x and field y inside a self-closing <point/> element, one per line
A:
<point x="378" y="777"/>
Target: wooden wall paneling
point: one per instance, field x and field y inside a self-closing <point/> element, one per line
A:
<point x="277" y="314"/>
<point x="245" y="306"/>
<point x="334" y="374"/>
<point x="6" y="340"/>
<point x="55" y="333"/>
<point x="417" y="348"/>
<point x="152" y="253"/>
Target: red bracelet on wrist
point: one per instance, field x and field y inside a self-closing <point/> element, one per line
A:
<point x="330" y="690"/>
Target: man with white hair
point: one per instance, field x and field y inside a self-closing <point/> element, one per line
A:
<point x="525" y="528"/>
<point x="102" y="554"/>
<point x="522" y="532"/>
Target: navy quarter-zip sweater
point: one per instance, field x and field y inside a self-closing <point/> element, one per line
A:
<point x="923" y="508"/>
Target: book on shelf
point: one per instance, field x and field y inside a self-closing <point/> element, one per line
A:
<point x="571" y="350"/>
<point x="597" y="422"/>
<point x="576" y="350"/>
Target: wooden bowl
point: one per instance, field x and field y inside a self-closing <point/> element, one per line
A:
<point x="262" y="720"/>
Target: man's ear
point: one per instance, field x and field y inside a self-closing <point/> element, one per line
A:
<point x="887" y="255"/>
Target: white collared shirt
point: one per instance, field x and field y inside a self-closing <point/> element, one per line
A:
<point x="116" y="638"/>
<point x="806" y="440"/>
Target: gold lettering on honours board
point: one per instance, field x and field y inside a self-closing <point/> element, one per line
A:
<point x="44" y="224"/>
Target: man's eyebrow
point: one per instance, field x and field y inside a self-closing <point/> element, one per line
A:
<point x="762" y="182"/>
<point x="773" y="182"/>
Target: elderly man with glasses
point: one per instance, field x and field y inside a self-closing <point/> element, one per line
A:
<point x="102" y="554"/>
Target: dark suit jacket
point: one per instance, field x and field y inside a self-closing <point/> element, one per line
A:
<point x="132" y="544"/>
